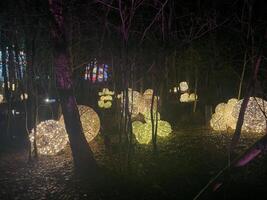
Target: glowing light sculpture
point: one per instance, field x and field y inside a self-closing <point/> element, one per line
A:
<point x="142" y="132"/>
<point x="183" y="86"/>
<point x="184" y="97"/>
<point x="254" y="119"/>
<point x="164" y="128"/>
<point x="192" y="97"/>
<point x="217" y="121"/>
<point x="51" y="137"/>
<point x="106" y="98"/>
<point x="226" y="115"/>
<point x="90" y="122"/>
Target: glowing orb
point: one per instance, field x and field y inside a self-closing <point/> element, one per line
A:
<point x="142" y="132"/>
<point x="183" y="86"/>
<point x="1" y="98"/>
<point x="184" y="97"/>
<point x="254" y="119"/>
<point x="51" y="137"/>
<point x="90" y="122"/>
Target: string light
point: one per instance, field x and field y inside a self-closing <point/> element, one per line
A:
<point x="51" y="137"/>
<point x="254" y="118"/>
<point x="90" y="122"/>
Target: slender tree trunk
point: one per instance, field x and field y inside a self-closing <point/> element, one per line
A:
<point x="82" y="154"/>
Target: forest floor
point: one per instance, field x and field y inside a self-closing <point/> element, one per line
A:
<point x="186" y="161"/>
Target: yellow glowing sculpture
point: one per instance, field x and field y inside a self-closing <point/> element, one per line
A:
<point x="164" y="128"/>
<point x="192" y="97"/>
<point x="254" y="118"/>
<point x="1" y="98"/>
<point x="24" y="96"/>
<point x="183" y="86"/>
<point x="90" y="122"/>
<point x="51" y="137"/>
<point x="184" y="97"/>
<point x="106" y="98"/>
<point x="142" y="132"/>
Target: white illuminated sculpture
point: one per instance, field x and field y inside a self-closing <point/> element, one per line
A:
<point x="183" y="86"/>
<point x="186" y="97"/>
<point x="226" y="115"/>
<point x="51" y="137"/>
<point x="223" y="119"/>
<point x="254" y="118"/>
<point x="106" y="98"/>
<point x="1" y="98"/>
<point x="90" y="122"/>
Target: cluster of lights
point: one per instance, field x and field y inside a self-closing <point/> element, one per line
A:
<point x="141" y="104"/>
<point x="90" y="122"/>
<point x="254" y="118"/>
<point x="185" y="96"/>
<point x="106" y="98"/>
<point x="226" y="115"/>
<point x="51" y="137"/>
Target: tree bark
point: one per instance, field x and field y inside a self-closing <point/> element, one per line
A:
<point x="81" y="152"/>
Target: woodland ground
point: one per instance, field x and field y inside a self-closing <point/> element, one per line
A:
<point x="186" y="161"/>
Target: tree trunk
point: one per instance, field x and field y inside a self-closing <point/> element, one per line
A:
<point x="81" y="152"/>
